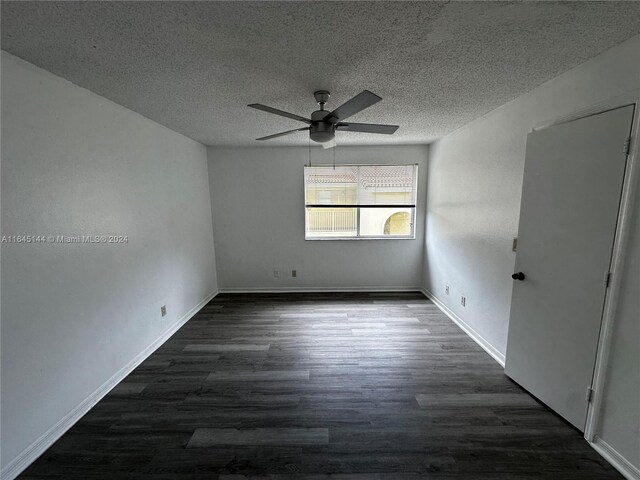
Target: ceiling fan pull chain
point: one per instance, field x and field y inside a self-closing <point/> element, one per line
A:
<point x="334" y="157"/>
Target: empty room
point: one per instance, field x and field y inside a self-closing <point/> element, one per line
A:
<point x="307" y="240"/>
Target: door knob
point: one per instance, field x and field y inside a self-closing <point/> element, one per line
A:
<point x="518" y="276"/>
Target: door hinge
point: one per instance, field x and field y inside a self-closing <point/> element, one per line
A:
<point x="627" y="146"/>
<point x="589" y="394"/>
<point x="607" y="279"/>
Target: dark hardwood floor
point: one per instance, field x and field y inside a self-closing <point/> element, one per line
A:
<point x="320" y="386"/>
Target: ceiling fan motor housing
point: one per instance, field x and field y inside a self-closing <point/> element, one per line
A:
<point x="320" y="130"/>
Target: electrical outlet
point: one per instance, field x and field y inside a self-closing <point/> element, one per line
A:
<point x="446" y="289"/>
<point x="463" y="301"/>
<point x="276" y="274"/>
<point x="163" y="310"/>
<point x="294" y="273"/>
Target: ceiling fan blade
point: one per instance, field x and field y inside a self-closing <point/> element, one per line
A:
<point x="282" y="113"/>
<point x="282" y="133"/>
<point x="358" y="103"/>
<point x="367" y="128"/>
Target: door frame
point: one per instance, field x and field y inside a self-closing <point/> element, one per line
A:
<point x="618" y="257"/>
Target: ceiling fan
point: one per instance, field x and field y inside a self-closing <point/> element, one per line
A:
<point x="323" y="124"/>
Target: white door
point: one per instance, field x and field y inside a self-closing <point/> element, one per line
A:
<point x="570" y="198"/>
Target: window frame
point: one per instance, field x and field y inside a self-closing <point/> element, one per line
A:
<point x="403" y="207"/>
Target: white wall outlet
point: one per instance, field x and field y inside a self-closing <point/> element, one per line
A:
<point x="163" y="310"/>
<point x="446" y="289"/>
<point x="463" y="301"/>
<point x="276" y="274"/>
<point x="294" y="273"/>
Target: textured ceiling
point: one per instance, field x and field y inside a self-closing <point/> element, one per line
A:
<point x="194" y="66"/>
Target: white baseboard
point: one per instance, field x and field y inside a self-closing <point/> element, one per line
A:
<point x="318" y="289"/>
<point x="628" y="471"/>
<point x="37" y="448"/>
<point x="475" y="336"/>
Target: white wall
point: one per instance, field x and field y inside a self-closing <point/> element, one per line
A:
<point x="257" y="197"/>
<point x="73" y="315"/>
<point x="620" y="421"/>
<point x="475" y="181"/>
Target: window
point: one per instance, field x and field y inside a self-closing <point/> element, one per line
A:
<point x="360" y="201"/>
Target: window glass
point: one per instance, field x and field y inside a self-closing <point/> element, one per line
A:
<point x="360" y="201"/>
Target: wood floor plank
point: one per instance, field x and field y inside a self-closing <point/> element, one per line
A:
<point x="260" y="375"/>
<point x="313" y="315"/>
<point x="128" y="388"/>
<point x="239" y="347"/>
<point x="348" y="476"/>
<point x="207" y="437"/>
<point x="335" y="386"/>
<point x="473" y="399"/>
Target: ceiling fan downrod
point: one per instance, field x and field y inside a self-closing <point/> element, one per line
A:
<point x="322" y="97"/>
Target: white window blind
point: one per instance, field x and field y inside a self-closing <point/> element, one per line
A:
<point x="360" y="201"/>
